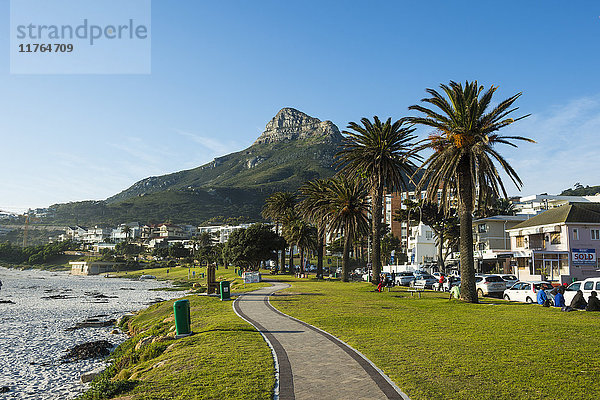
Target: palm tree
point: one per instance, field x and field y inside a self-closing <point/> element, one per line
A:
<point x="380" y="153"/>
<point x="278" y="208"/>
<point x="127" y="231"/>
<point x="314" y="207"/>
<point x="347" y="214"/>
<point x="464" y="156"/>
<point x="303" y="235"/>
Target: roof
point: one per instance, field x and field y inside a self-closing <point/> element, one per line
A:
<point x="571" y="212"/>
<point x="503" y="218"/>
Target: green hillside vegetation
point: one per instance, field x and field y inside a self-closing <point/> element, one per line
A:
<point x="580" y="190"/>
<point x="233" y="186"/>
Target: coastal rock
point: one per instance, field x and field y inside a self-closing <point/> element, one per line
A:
<point x="290" y="124"/>
<point x="7" y="302"/>
<point x="115" y="332"/>
<point x="84" y="351"/>
<point x="4" y="389"/>
<point x="92" y="323"/>
<point x="144" y="341"/>
<point x="89" y="376"/>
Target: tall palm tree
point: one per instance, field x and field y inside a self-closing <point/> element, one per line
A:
<point x="303" y="235"/>
<point x="127" y="231"/>
<point x="379" y="153"/>
<point x="279" y="207"/>
<point x="314" y="207"/>
<point x="464" y="157"/>
<point x="347" y="214"/>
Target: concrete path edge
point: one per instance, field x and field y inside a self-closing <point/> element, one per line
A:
<point x="387" y="386"/>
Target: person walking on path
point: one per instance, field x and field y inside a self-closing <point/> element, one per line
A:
<point x="593" y="302"/>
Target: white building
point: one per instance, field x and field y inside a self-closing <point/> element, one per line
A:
<point x="221" y="232"/>
<point x="421" y="245"/>
<point x="538" y="203"/>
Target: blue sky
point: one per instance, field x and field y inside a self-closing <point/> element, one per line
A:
<point x="221" y="70"/>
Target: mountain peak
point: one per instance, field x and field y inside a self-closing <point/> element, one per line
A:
<point x="291" y="124"/>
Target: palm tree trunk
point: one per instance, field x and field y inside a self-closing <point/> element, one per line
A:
<point x="346" y="258"/>
<point x="291" y="268"/>
<point x="465" y="211"/>
<point x="441" y="265"/>
<point x="320" y="252"/>
<point x="301" y="260"/>
<point x="376" y="199"/>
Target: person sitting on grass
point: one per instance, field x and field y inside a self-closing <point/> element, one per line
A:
<point x="455" y="292"/>
<point x="559" y="298"/>
<point x="542" y="298"/>
<point x="593" y="302"/>
<point x="578" y="301"/>
<point x="381" y="283"/>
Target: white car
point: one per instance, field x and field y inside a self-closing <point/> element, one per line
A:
<point x="404" y="278"/>
<point x="586" y="286"/>
<point x="487" y="285"/>
<point x="526" y="292"/>
<point x="510" y="279"/>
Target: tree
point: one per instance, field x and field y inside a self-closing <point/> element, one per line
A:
<point x="127" y="232"/>
<point x="279" y="208"/>
<point x="463" y="161"/>
<point x="347" y="214"/>
<point x="303" y="235"/>
<point x="314" y="207"/>
<point x="390" y="243"/>
<point x="178" y="251"/>
<point x="443" y="224"/>
<point x="379" y="153"/>
<point x="248" y="247"/>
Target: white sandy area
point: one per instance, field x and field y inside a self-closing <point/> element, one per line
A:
<point x="32" y="331"/>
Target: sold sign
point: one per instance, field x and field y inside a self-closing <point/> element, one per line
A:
<point x="584" y="256"/>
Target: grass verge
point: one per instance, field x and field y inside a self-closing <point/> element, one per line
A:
<point x="433" y="348"/>
<point x="225" y="358"/>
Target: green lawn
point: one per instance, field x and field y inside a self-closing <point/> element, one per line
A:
<point x="433" y="348"/>
<point x="224" y="359"/>
<point x="179" y="276"/>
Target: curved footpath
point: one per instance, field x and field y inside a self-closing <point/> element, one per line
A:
<point x="310" y="363"/>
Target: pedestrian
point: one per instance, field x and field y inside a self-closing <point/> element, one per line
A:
<point x="441" y="283"/>
<point x="542" y="297"/>
<point x="381" y="283"/>
<point x="559" y="298"/>
<point x="593" y="302"/>
<point x="578" y="301"/>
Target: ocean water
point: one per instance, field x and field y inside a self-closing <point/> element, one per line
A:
<point x="33" y="334"/>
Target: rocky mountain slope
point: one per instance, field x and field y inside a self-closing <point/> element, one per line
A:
<point x="293" y="148"/>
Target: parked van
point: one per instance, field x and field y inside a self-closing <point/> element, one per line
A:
<point x="586" y="286"/>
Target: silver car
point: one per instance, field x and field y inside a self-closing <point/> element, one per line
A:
<point x="487" y="285"/>
<point x="404" y="278"/>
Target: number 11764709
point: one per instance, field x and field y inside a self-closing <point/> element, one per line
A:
<point x="46" y="48"/>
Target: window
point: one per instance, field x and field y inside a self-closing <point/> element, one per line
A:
<point x="520" y="241"/>
<point x="526" y="286"/>
<point x="555" y="238"/>
<point x="588" y="286"/>
<point x="595" y="234"/>
<point x="482" y="228"/>
<point x="428" y="234"/>
<point x="575" y="234"/>
<point x="598" y="285"/>
<point x="481" y="246"/>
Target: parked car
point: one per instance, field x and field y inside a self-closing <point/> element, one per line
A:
<point x="404" y="278"/>
<point x="586" y="286"/>
<point x="526" y="292"/>
<point x="424" y="281"/>
<point x="509" y="279"/>
<point x="487" y="285"/>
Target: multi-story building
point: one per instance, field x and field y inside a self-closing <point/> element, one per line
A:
<point x="492" y="242"/>
<point x="221" y="232"/>
<point x="538" y="203"/>
<point x="559" y="244"/>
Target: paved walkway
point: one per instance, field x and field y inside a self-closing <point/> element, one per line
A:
<point x="311" y="364"/>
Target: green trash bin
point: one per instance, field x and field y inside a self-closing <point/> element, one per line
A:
<point x="224" y="290"/>
<point x="183" y="322"/>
